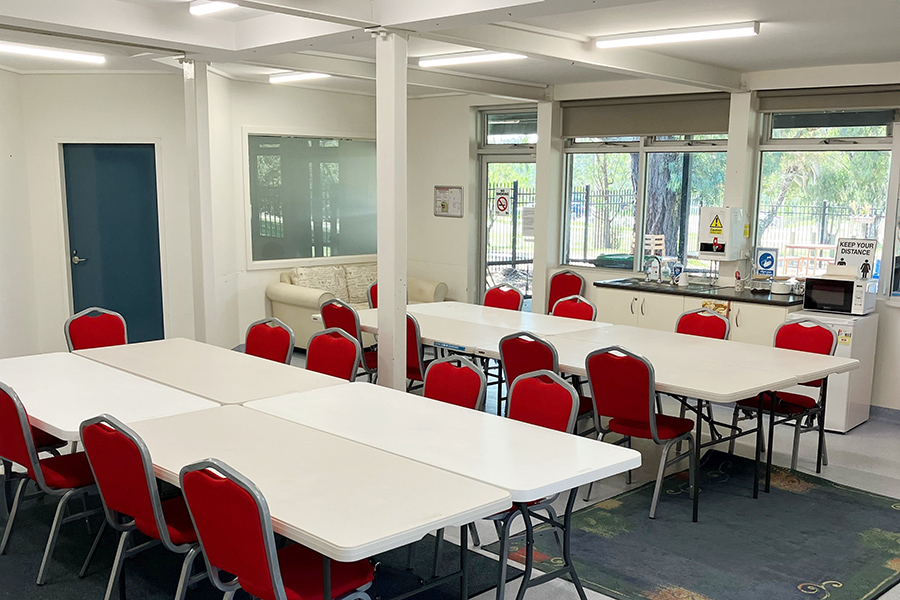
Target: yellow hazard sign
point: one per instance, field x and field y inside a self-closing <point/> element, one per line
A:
<point x="715" y="228"/>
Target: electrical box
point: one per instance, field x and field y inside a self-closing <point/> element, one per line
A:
<point x="722" y="233"/>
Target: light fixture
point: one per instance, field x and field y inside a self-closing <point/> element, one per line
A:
<point x="42" y="52"/>
<point x="684" y="34"/>
<point x="468" y="58"/>
<point x="207" y="8"/>
<point x="287" y="77"/>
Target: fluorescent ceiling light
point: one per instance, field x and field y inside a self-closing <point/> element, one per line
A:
<point x="286" y="77"/>
<point x="41" y="52"/>
<point x="467" y="59"/>
<point x="684" y="34"/>
<point x="207" y="8"/>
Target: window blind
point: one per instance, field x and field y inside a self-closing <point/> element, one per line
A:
<point x="830" y="99"/>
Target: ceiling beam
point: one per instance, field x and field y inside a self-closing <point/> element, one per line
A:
<point x="365" y="69"/>
<point x="626" y="61"/>
<point x="341" y="12"/>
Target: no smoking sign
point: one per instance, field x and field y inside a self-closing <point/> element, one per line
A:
<point x="501" y="200"/>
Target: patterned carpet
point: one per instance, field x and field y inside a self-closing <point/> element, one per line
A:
<point x="808" y="539"/>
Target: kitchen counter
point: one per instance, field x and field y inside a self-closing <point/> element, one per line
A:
<point x="724" y="294"/>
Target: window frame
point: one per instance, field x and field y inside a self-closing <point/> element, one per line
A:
<point x="289" y="263"/>
<point x="644" y="146"/>
<point x="484" y="147"/>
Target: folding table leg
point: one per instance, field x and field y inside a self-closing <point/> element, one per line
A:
<point x="772" y="399"/>
<point x="529" y="550"/>
<point x="464" y="562"/>
<point x="821" y="447"/>
<point x="759" y="412"/>
<point x="567" y="544"/>
<point x="326" y="578"/>
<point x="695" y="476"/>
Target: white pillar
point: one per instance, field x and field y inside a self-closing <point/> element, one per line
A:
<point x="196" y="113"/>
<point x="390" y="127"/>
<point x="548" y="200"/>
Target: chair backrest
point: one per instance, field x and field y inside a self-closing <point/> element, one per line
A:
<point x="654" y="244"/>
<point x="333" y="352"/>
<point x="461" y="385"/>
<point x="372" y="295"/>
<point x="504" y="296"/>
<point x="563" y="284"/>
<point x="524" y="352"/>
<point x="575" y="307"/>
<point x="95" y="327"/>
<point x="120" y="462"/>
<point x="270" y="338"/>
<point x="703" y="322"/>
<point x="623" y="386"/>
<point x="543" y="398"/>
<point x="806" y="335"/>
<point x="234" y="526"/>
<point x="16" y="443"/>
<point x="338" y="314"/>
<point x="415" y="352"/>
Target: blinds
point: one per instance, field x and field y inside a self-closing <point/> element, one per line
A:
<point x="837" y="98"/>
<point x="657" y="115"/>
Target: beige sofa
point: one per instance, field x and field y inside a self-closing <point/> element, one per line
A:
<point x="302" y="290"/>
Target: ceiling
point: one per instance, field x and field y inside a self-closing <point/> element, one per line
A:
<point x="266" y="36"/>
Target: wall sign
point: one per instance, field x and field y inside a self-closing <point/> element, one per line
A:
<point x="527" y="221"/>
<point x="766" y="261"/>
<point x="856" y="253"/>
<point x="502" y="200"/>
<point x="448" y="201"/>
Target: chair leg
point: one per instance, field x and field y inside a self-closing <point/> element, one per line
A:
<point x="798" y="429"/>
<point x="734" y="422"/>
<point x="186" y="568"/>
<point x="628" y="473"/>
<point x="473" y="533"/>
<point x="54" y="533"/>
<point x="90" y="556"/>
<point x="17" y="499"/>
<point x="587" y="495"/>
<point x="504" y="555"/>
<point x="659" y="478"/>
<point x="410" y="555"/>
<point x="116" y="572"/>
<point x="438" y="550"/>
<point x="681" y="415"/>
<point x="824" y="447"/>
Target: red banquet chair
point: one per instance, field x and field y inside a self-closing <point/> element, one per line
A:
<point x="504" y="296"/>
<point x="702" y="322"/>
<point x="120" y="462"/>
<point x="270" y="338"/>
<point x="623" y="387"/>
<point x="415" y="354"/>
<point x="562" y="285"/>
<point x="461" y="385"/>
<point x="338" y="314"/>
<point x="333" y="352"/>
<point x="67" y="476"/>
<point x="95" y="327"/>
<point x="805" y="413"/>
<point x="234" y="527"/>
<point x="575" y="307"/>
<point x="372" y="295"/>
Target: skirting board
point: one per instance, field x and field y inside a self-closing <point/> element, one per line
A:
<point x="881" y="413"/>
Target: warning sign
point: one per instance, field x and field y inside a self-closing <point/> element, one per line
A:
<point x="502" y="198"/>
<point x="715" y="228"/>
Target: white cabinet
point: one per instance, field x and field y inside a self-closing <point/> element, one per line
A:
<point x="756" y="323"/>
<point x="619" y="307"/>
<point x="659" y="311"/>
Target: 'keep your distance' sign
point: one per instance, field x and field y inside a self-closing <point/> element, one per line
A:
<point x="856" y="253"/>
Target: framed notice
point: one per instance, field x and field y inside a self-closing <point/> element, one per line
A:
<point x="448" y="201"/>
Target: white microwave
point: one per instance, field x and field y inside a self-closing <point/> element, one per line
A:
<point x="846" y="296"/>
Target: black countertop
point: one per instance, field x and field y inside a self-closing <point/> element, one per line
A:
<point x="725" y="294"/>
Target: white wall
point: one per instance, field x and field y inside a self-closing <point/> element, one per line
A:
<point x="18" y="318"/>
<point x="104" y="108"/>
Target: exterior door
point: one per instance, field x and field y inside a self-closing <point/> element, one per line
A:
<point x="508" y="248"/>
<point x="113" y="227"/>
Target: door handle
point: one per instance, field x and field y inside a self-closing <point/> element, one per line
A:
<point x="642" y="306"/>
<point x="737" y="318"/>
<point x="76" y="260"/>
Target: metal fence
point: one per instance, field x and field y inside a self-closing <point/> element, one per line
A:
<point x="509" y="254"/>
<point x="816" y="224"/>
<point x="600" y="223"/>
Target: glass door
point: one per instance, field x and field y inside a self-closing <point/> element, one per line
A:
<point x="508" y="248"/>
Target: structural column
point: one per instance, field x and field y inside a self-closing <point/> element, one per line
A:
<point x="196" y="116"/>
<point x="741" y="169"/>
<point x="548" y="200"/>
<point x="390" y="128"/>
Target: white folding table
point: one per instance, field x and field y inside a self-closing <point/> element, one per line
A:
<point x="342" y="498"/>
<point x="509" y="319"/>
<point x="485" y="447"/>
<point x="222" y="375"/>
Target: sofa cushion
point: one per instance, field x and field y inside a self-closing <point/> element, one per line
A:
<point x="359" y="277"/>
<point x="330" y="278"/>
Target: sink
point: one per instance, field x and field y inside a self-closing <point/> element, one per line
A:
<point x="642" y="284"/>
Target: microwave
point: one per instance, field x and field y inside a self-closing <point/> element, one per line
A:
<point x="846" y="296"/>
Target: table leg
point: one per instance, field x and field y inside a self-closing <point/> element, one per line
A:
<point x="759" y="413"/>
<point x="567" y="545"/>
<point x="464" y="562"/>
<point x="696" y="475"/>
<point x="326" y="578"/>
<point x="821" y="426"/>
<point x="772" y="399"/>
<point x="529" y="550"/>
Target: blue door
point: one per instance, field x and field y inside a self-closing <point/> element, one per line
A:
<point x="114" y="233"/>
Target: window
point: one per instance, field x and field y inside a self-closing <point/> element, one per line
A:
<point x="509" y="128"/>
<point x="810" y="196"/>
<point x="311" y="197"/>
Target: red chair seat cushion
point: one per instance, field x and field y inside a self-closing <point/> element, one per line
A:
<point x="666" y="427"/>
<point x="788" y="403"/>
<point x="301" y="572"/>
<point x="67" y="471"/>
<point x="42" y="439"/>
<point x="371" y="359"/>
<point x="178" y="521"/>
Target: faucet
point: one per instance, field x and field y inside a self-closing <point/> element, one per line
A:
<point x="658" y="270"/>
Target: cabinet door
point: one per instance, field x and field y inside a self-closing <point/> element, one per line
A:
<point x="619" y="307"/>
<point x="659" y="311"/>
<point x="755" y="323"/>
